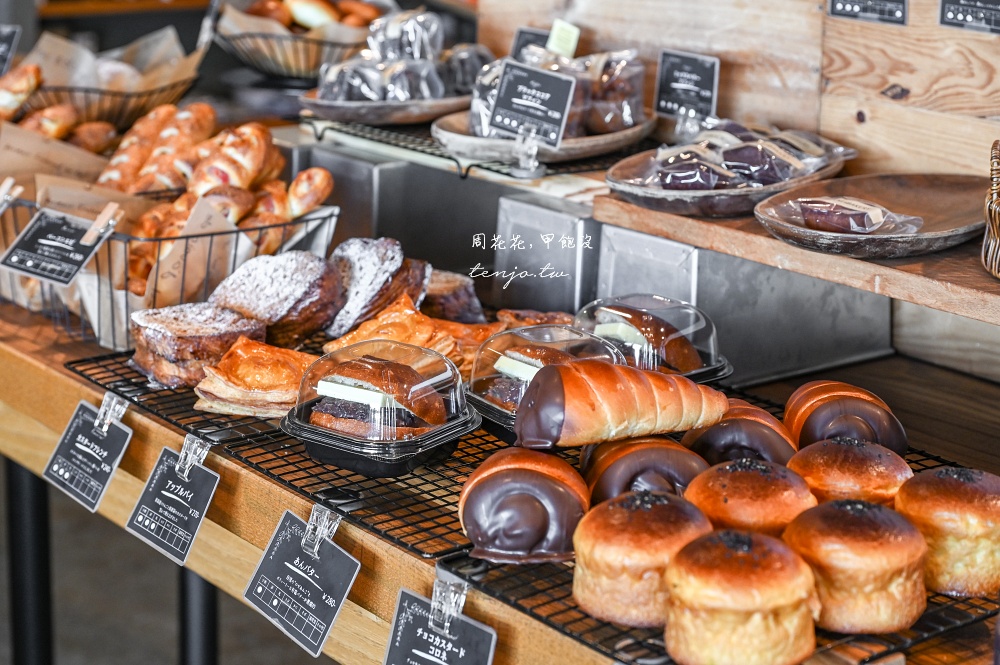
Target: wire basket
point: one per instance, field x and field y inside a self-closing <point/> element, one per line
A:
<point x="121" y="109"/>
<point x="290" y="56"/>
<point x="991" y="243"/>
<point x="98" y="306"/>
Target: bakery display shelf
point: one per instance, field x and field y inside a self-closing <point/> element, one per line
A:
<point x="952" y="280"/>
<point x="417" y="138"/>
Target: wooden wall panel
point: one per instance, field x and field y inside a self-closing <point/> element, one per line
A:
<point x="944" y="339"/>
<point x="771" y="52"/>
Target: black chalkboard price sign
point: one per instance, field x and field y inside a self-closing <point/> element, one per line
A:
<point x="982" y="15"/>
<point x="86" y="457"/>
<point x="413" y="641"/>
<point x="525" y="36"/>
<point x="55" y="246"/>
<point x="9" y="36"/>
<point x="687" y="84"/>
<point x="530" y="97"/>
<point x="881" y="11"/>
<point x="300" y="593"/>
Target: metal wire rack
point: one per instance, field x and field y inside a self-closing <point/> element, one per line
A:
<point x="418" y="139"/>
<point x="290" y="56"/>
<point x="121" y="109"/>
<point x="419" y="513"/>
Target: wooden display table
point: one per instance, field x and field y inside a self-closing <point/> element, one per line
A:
<point x="39" y="394"/>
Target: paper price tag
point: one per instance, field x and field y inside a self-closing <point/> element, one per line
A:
<point x="298" y="593"/>
<point x="85" y="457"/>
<point x="527" y="36"/>
<point x="9" y="36"/>
<point x="170" y="509"/>
<point x="563" y="38"/>
<point x="412" y="640"/>
<point x="687" y="84"/>
<point x="532" y="97"/>
<point x="880" y="11"/>
<point x="55" y="246"/>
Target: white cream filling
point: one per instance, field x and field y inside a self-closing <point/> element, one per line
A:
<point x="374" y="399"/>
<point x="515" y="368"/>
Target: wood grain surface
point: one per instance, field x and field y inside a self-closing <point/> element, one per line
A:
<point x="972" y="347"/>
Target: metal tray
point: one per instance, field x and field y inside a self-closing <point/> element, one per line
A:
<point x="951" y="206"/>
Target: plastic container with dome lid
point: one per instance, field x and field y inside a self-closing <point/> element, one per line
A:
<point x="658" y="333"/>
<point x="381" y="408"/>
<point x="507" y="361"/>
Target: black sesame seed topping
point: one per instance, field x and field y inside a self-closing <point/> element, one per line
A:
<point x="849" y="441"/>
<point x="854" y="506"/>
<point x="736" y="541"/>
<point x="749" y="464"/>
<point x="961" y="475"/>
<point x="641" y="500"/>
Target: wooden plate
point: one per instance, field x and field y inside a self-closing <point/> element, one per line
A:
<point x="699" y="203"/>
<point x="951" y="206"/>
<point x="384" y="113"/>
<point x="452" y="132"/>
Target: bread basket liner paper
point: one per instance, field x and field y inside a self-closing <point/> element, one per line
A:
<point x="23" y="154"/>
<point x="234" y="21"/>
<point x="151" y="61"/>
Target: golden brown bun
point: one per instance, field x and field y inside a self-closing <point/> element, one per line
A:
<point x="869" y="565"/>
<point x="845" y="468"/>
<point x="96" y="137"/>
<point x="518" y="458"/>
<point x="740" y="598"/>
<point x="16" y="86"/>
<point x="403" y="383"/>
<point x="312" y="13"/>
<point x="750" y="494"/>
<point x="272" y="9"/>
<point x="622" y="550"/>
<point x="590" y="401"/>
<point x="958" y="512"/>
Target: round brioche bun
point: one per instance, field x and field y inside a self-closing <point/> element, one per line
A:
<point x="845" y="468"/>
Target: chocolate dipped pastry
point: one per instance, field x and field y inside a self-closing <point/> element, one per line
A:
<point x="522" y="506"/>
<point x="647" y="463"/>
<point x="744" y="431"/>
<point x="740" y="599"/>
<point x="592" y="401"/>
<point x="293" y="293"/>
<point x="750" y="494"/>
<point x="843" y="468"/>
<point x="647" y="341"/>
<point x="821" y="410"/>
<point x="377" y="399"/>
<point x="515" y="368"/>
<point x="622" y="549"/>
<point x="452" y="296"/>
<point x="173" y="345"/>
<point x="869" y="565"/>
<point x="958" y="513"/>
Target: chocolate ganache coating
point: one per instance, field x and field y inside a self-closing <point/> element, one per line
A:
<point x="857" y="419"/>
<point x="542" y="411"/>
<point x="658" y="469"/>
<point x="738" y="438"/>
<point x="519" y="516"/>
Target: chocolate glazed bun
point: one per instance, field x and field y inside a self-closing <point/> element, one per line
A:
<point x="744" y="431"/>
<point x="522" y="506"/>
<point x="822" y="410"/>
<point x="674" y="349"/>
<point x="869" y="565"/>
<point x="646" y="463"/>
<point x="843" y="468"/>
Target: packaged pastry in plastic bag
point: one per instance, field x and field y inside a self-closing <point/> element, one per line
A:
<point x="461" y="65"/>
<point x="763" y="162"/>
<point x="536" y="56"/>
<point x="408" y="80"/>
<point x="691" y="169"/>
<point x="412" y="35"/>
<point x="845" y="214"/>
<point x="616" y="91"/>
<point x="484" y="96"/>
<point x="357" y="80"/>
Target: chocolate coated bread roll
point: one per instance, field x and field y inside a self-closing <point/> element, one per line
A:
<point x="744" y="431"/>
<point x="522" y="506"/>
<point x="647" y="463"/>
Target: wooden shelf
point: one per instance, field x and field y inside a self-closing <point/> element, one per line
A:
<point x="952" y="281"/>
<point x="67" y="9"/>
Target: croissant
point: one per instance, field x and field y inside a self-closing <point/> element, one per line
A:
<point x="309" y="190"/>
<point x="648" y="463"/>
<point x="16" y="86"/>
<point x="821" y="410"/>
<point x="745" y="431"/>
<point x="590" y="401"/>
<point x="522" y="506"/>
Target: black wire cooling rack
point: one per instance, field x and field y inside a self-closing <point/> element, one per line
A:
<point x="419" y="513"/>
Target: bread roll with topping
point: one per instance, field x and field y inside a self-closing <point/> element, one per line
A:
<point x="844" y="468"/>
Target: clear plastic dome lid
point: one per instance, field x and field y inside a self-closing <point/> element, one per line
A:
<point x="657" y="333"/>
<point x="382" y="398"/>
<point x="507" y="361"/>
